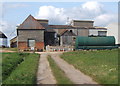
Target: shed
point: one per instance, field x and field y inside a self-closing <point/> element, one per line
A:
<point x="67" y="38"/>
<point x="13" y="42"/>
<point x="3" y="40"/>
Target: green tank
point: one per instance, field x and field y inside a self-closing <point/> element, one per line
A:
<point x="83" y="41"/>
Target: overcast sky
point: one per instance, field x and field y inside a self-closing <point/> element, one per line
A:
<point x="103" y="13"/>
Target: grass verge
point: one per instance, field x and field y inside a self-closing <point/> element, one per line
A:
<point x="58" y="73"/>
<point x="101" y="65"/>
<point x="10" y="61"/>
<point x="25" y="73"/>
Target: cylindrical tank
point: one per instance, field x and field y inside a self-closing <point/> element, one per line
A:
<point x="95" y="41"/>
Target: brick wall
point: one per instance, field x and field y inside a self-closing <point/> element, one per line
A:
<point x="39" y="45"/>
<point x="24" y="45"/>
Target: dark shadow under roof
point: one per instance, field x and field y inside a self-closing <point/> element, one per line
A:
<point x="2" y="35"/>
<point x="49" y="30"/>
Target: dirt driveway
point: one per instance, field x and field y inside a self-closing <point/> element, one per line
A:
<point x="4" y="51"/>
<point x="44" y="74"/>
<point x="76" y="76"/>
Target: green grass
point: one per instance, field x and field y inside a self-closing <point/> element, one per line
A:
<point x="25" y="72"/>
<point x="101" y="65"/>
<point x="58" y="73"/>
<point x="10" y="61"/>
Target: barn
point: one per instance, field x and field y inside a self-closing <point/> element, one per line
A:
<point x="36" y="34"/>
<point x="30" y="35"/>
<point x="3" y="40"/>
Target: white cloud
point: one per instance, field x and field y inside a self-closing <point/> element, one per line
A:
<point x="105" y="19"/>
<point x="87" y="11"/>
<point x="93" y="7"/>
<point x="54" y="14"/>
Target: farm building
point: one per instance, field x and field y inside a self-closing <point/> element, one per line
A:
<point x="37" y="33"/>
<point x="30" y="34"/>
<point x="3" y="40"/>
<point x="13" y="42"/>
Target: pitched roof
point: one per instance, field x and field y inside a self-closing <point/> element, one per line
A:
<point x="14" y="39"/>
<point x="59" y="31"/>
<point x="43" y="22"/>
<point x="30" y="23"/>
<point x="2" y="35"/>
<point x="63" y="31"/>
<point x="68" y="33"/>
<point x="1" y="32"/>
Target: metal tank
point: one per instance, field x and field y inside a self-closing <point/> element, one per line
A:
<point x="84" y="42"/>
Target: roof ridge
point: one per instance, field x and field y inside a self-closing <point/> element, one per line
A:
<point x="37" y="22"/>
<point x="42" y="27"/>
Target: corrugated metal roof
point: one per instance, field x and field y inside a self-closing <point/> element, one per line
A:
<point x="30" y="23"/>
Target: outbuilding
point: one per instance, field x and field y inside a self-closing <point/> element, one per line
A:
<point x="3" y="40"/>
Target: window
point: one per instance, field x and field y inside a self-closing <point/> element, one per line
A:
<point x="102" y="33"/>
<point x="31" y="43"/>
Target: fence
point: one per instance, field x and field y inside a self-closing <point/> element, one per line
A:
<point x="59" y="48"/>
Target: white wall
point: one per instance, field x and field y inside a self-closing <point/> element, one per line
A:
<point x="3" y="41"/>
<point x="113" y="31"/>
<point x="95" y="31"/>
